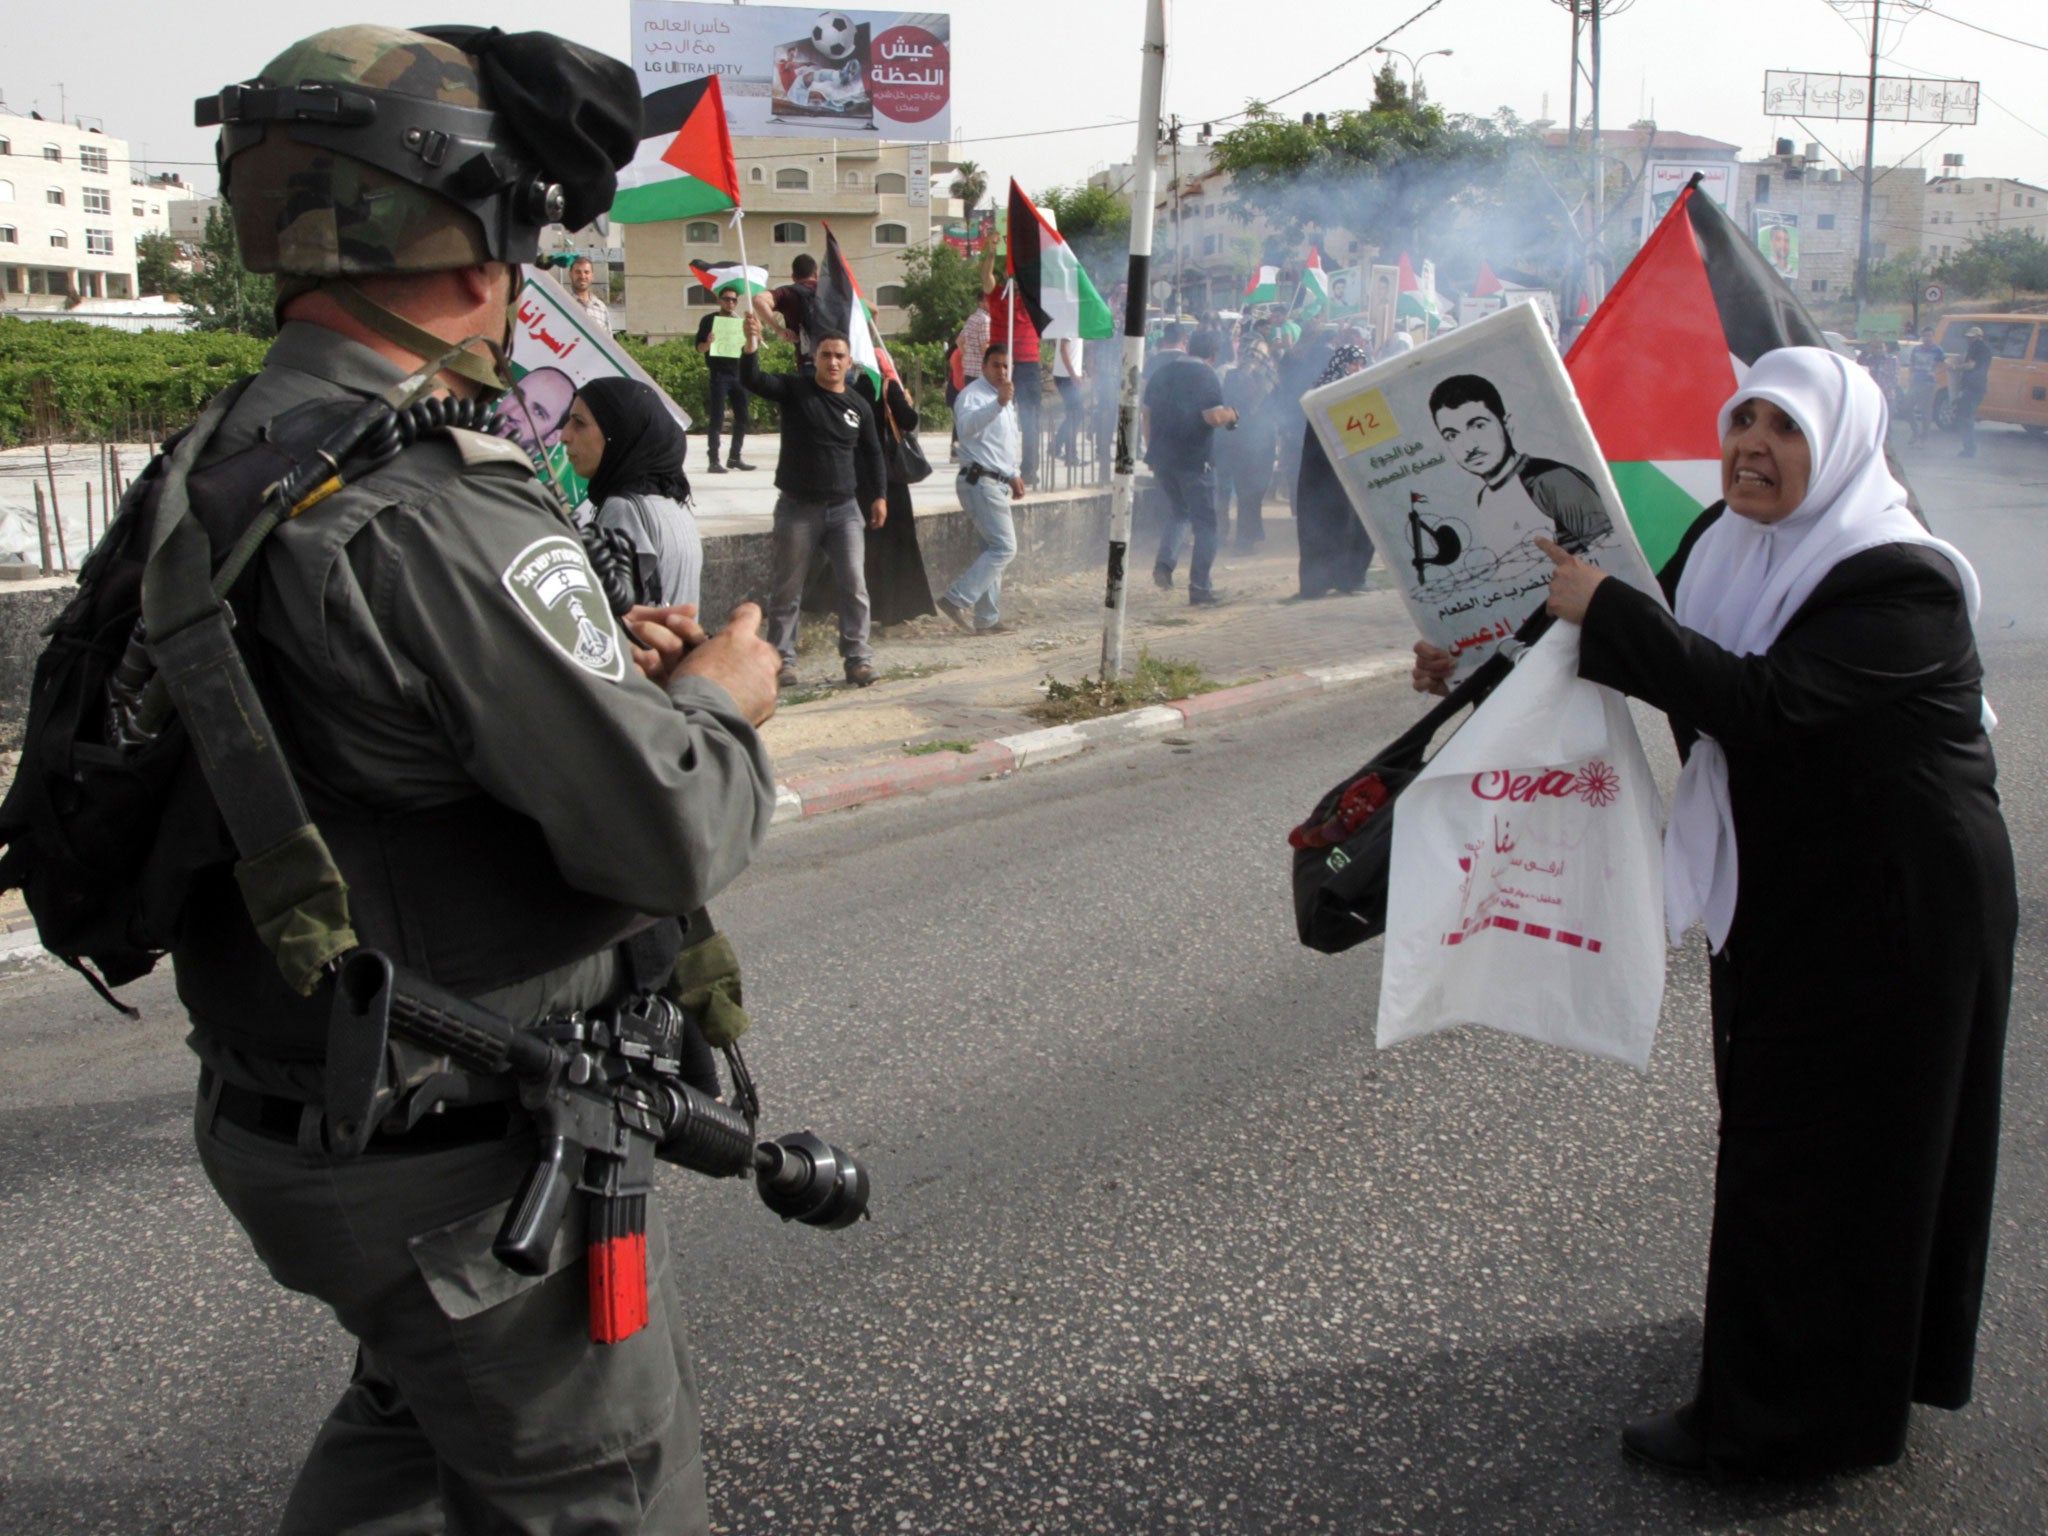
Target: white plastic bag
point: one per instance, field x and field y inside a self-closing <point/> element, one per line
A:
<point x="1527" y="885"/>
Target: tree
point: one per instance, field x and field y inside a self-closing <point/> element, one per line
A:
<point x="222" y="294"/>
<point x="940" y="289"/>
<point x="2009" y="258"/>
<point x="156" y="264"/>
<point x="1096" y="222"/>
<point x="970" y="184"/>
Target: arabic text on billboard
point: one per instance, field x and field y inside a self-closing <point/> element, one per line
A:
<point x="1796" y="93"/>
<point x="788" y="71"/>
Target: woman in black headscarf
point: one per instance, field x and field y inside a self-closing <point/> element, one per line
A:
<point x="641" y="536"/>
<point x="1335" y="548"/>
<point x="898" y="588"/>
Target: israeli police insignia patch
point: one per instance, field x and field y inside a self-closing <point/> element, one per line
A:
<point x="551" y="581"/>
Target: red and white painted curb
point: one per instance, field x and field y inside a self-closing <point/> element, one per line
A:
<point x="837" y="790"/>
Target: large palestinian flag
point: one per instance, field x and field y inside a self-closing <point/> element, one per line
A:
<point x="1262" y="287"/>
<point x="1050" y="278"/>
<point x="1694" y="310"/>
<point x="841" y="311"/>
<point x="685" y="164"/>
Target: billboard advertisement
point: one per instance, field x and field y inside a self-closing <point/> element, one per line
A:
<point x="795" y="72"/>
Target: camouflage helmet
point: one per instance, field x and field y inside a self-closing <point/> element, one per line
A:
<point x="371" y="149"/>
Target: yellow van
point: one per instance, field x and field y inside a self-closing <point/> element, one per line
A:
<point x="2018" y="392"/>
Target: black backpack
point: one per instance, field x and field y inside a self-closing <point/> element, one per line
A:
<point x="104" y="840"/>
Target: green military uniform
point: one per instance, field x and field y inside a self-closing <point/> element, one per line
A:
<point x="432" y="633"/>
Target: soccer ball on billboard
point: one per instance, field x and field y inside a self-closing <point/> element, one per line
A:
<point x="834" y="36"/>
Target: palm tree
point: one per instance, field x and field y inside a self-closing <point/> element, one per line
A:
<point x="970" y="184"/>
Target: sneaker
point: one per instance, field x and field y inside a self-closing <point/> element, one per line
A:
<point x="957" y="614"/>
<point x="1162" y="577"/>
<point x="715" y="467"/>
<point x="859" y="674"/>
<point x="997" y="628"/>
<point x="736" y="462"/>
<point x="786" y="678"/>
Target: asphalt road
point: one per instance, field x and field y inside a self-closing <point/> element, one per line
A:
<point x="1160" y="1243"/>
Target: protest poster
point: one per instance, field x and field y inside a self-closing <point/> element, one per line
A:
<point x="1458" y="455"/>
<point x="795" y="72"/>
<point x="1777" y="236"/>
<point x="555" y="352"/>
<point x="1379" y="309"/>
<point x="1663" y="180"/>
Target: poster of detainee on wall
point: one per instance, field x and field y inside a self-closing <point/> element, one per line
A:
<point x="789" y="70"/>
<point x="1459" y="455"/>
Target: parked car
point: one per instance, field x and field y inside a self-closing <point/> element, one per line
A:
<point x="2018" y="391"/>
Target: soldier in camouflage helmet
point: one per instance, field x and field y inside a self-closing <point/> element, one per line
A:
<point x="521" y="795"/>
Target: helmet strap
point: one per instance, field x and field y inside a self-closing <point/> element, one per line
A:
<point x="489" y="372"/>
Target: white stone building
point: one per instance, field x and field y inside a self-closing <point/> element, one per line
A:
<point x="70" y="210"/>
<point x="1960" y="209"/>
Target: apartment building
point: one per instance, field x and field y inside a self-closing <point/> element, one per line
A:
<point x="1960" y="209"/>
<point x="1824" y="204"/>
<point x="790" y="188"/>
<point x="70" y="211"/>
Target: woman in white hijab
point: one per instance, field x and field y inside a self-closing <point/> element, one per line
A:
<point x="1836" y="829"/>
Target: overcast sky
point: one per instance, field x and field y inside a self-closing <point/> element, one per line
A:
<point x="1028" y="66"/>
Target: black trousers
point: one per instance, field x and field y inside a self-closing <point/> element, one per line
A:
<point x="723" y="387"/>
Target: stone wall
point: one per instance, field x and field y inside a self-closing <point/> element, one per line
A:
<point x="25" y="607"/>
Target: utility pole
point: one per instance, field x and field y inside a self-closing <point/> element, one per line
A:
<point x="1599" y="273"/>
<point x="1869" y="166"/>
<point x="1173" y="129"/>
<point x="1138" y="288"/>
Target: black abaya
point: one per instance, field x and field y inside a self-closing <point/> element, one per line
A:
<point x="1335" y="548"/>
<point x="1859" y="1003"/>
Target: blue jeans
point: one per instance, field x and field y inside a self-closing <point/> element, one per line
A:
<point x="1966" y="418"/>
<point x="980" y="586"/>
<point x="800" y="527"/>
<point x="1190" y="507"/>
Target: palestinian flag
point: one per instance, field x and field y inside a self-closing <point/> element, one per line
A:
<point x="685" y="165"/>
<point x="1050" y="278"/>
<point x="1487" y="283"/>
<point x="1262" y="289"/>
<point x="841" y="311"/>
<point x="1315" y="287"/>
<point x="1410" y="302"/>
<point x="1667" y="346"/>
<point x="719" y="276"/>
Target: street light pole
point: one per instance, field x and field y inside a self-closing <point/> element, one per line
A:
<point x="1415" y="69"/>
<point x="1138" y="287"/>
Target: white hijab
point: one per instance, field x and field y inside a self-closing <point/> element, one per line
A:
<point x="1745" y="580"/>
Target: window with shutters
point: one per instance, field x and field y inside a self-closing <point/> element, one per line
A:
<point x="891" y="234"/>
<point x="789" y="232"/>
<point x="700" y="297"/>
<point x="889" y="184"/>
<point x="54" y="196"/>
<point x="704" y="232"/>
<point x="9" y="235"/>
<point x="52" y="152"/>
<point x="59" y="241"/>
<point x="890" y="296"/>
<point x="789" y="179"/>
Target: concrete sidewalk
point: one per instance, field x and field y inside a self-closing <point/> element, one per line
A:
<point x="939" y="684"/>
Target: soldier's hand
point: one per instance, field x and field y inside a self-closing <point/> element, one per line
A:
<point x="661" y="637"/>
<point x="740" y="662"/>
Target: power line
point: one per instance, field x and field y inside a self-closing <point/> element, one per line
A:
<point x="1225" y="117"/>
<point x="2004" y="37"/>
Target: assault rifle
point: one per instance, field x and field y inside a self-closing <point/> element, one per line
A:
<point x="606" y="1090"/>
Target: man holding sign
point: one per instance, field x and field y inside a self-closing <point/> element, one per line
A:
<point x="722" y="338"/>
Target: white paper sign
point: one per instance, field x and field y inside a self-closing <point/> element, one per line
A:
<point x="1459" y="455"/>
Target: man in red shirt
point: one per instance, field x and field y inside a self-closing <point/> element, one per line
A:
<point x="787" y="312"/>
<point x="1027" y="376"/>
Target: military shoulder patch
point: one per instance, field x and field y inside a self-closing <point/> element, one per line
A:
<point x="551" y="581"/>
<point x="479" y="448"/>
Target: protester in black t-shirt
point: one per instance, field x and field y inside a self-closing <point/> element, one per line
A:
<point x="831" y="466"/>
<point x="1183" y="408"/>
<point x="724" y="382"/>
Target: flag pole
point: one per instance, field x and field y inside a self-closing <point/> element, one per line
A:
<point x="739" y="224"/>
<point x="1138" y="283"/>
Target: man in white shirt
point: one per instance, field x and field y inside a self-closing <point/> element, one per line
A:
<point x="989" y="481"/>
<point x="593" y="309"/>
